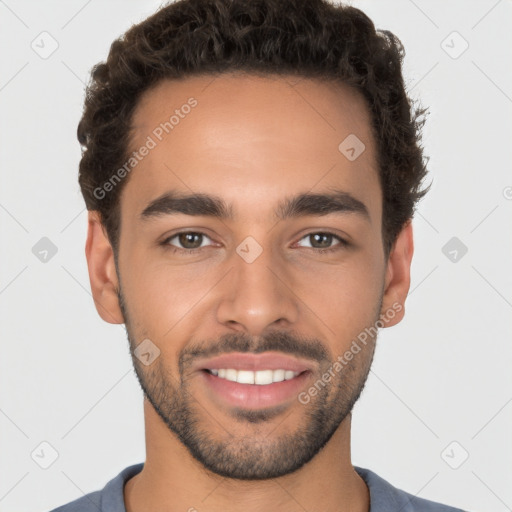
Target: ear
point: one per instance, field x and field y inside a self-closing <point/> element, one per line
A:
<point x="102" y="271"/>
<point x="398" y="278"/>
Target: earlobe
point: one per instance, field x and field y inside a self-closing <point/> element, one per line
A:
<point x="102" y="271"/>
<point x="398" y="277"/>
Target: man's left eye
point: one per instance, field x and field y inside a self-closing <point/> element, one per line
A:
<point x="323" y="240"/>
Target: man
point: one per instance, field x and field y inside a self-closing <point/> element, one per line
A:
<point x="251" y="171"/>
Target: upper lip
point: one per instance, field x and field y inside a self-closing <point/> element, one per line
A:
<point x="254" y="362"/>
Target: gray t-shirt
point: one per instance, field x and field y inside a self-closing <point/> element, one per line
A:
<point x="383" y="496"/>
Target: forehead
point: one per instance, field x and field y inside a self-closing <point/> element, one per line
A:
<point x="252" y="140"/>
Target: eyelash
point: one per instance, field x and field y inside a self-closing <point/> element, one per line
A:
<point x="165" y="243"/>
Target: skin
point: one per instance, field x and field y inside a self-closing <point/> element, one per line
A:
<point x="252" y="141"/>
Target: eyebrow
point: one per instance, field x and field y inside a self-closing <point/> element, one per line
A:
<point x="172" y="203"/>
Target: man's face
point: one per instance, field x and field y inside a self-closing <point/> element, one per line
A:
<point x="254" y="295"/>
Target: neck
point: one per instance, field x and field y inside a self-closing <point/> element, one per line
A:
<point x="171" y="476"/>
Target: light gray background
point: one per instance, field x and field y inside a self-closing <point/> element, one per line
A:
<point x="442" y="375"/>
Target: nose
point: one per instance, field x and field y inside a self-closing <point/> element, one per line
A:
<point x="258" y="295"/>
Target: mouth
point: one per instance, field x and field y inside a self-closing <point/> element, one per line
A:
<point x="258" y="378"/>
<point x="254" y="381"/>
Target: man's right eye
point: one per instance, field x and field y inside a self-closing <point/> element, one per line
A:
<point x="190" y="241"/>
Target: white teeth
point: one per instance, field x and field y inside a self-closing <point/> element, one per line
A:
<point x="231" y="375"/>
<point x="261" y="377"/>
<point x="243" y="377"/>
<point x="278" y="375"/>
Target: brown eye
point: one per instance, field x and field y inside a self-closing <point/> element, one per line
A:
<point x="186" y="241"/>
<point x="321" y="240"/>
<point x="190" y="240"/>
<point x="324" y="241"/>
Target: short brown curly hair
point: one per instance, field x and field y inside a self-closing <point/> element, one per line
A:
<point x="306" y="38"/>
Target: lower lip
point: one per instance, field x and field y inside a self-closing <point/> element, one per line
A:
<point x="253" y="396"/>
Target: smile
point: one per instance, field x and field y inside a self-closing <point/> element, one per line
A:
<point x="260" y="377"/>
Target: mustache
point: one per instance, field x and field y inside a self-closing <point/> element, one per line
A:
<point x="278" y="341"/>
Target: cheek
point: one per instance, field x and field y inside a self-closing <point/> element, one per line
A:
<point x="161" y="296"/>
<point x="346" y="298"/>
<point x="162" y="306"/>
